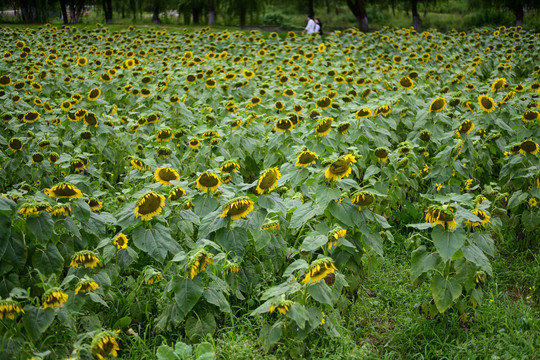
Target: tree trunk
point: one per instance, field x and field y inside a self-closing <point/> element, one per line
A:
<point x="155" y="15"/>
<point x="26" y="11"/>
<point x="64" y="11"/>
<point x="358" y="8"/>
<point x="362" y="23"/>
<point x="417" y="21"/>
<point x="310" y="8"/>
<point x="518" y="12"/>
<point x="211" y="13"/>
<point x="242" y="16"/>
<point x="196" y="12"/>
<point x="107" y="9"/>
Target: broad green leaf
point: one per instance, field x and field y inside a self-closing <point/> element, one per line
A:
<point x="37" y="320"/>
<point x="517" y="198"/>
<point x="270" y="334"/>
<point x="444" y="291"/>
<point x="204" y="205"/>
<point x="422" y="262"/>
<point x="41" y="226"/>
<point x="343" y="212"/>
<point x="485" y="242"/>
<point x="49" y="260"/>
<point x="312" y="243"/>
<point x="211" y="223"/>
<point x="199" y="327"/>
<point x="217" y="298"/>
<point x="370" y="171"/>
<point x="155" y="242"/>
<point x="5" y="233"/>
<point x="301" y="215"/>
<point x="475" y="255"/>
<point x="6" y="206"/>
<point x="298" y="313"/>
<point x="296" y="265"/>
<point x="15" y="251"/>
<point x="321" y="292"/>
<point x="233" y="240"/>
<point x="187" y="293"/>
<point x="447" y="242"/>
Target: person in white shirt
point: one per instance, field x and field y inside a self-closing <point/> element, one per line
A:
<point x="311" y="26"/>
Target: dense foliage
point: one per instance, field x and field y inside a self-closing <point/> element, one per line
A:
<point x="199" y="177"/>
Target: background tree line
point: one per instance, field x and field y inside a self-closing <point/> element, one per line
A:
<point x="240" y="12"/>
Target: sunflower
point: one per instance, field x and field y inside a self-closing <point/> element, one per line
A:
<point x="484" y="217"/>
<point x="238" y="208"/>
<point x="95" y="204"/>
<point x="268" y="180"/>
<point x="66" y="105"/>
<point x="54" y="297"/>
<point x="289" y="92"/>
<point x="37" y="157"/>
<point x="439" y="104"/>
<point x="270" y="225"/>
<point x="94" y="94"/>
<point x="486" y="103"/>
<point x="466" y="127"/>
<point x="84" y="257"/>
<point x="208" y="181"/>
<point x="121" y="241"/>
<point x="177" y="193"/>
<point x="165" y="175"/>
<point x="306" y="158"/>
<point x="406" y="83"/>
<point x="61" y="210"/>
<point x="229" y="166"/>
<point x="86" y="286"/>
<point x="343" y="128"/>
<point x="340" y="168"/>
<point x="324" y="126"/>
<point x="442" y="215"/>
<point x="78" y="164"/>
<point x="284" y="125"/>
<point x="324" y="103"/>
<point x="499" y="84"/>
<point x="5" y="80"/>
<point x="282" y="307"/>
<point x="198" y="262"/>
<point x="149" y="205"/>
<point x="335" y="235"/>
<point x="528" y="146"/>
<point x="9" y="308"/>
<point x="319" y="269"/>
<point x="104" y="345"/>
<point x="362" y="113"/>
<point x="31" y="116"/>
<point x="210" y="83"/>
<point x="248" y="74"/>
<point x="362" y="198"/>
<point x="153" y="276"/>
<point x="381" y="153"/>
<point x="530" y="116"/>
<point x="137" y="164"/>
<point x="64" y="190"/>
<point x="194" y="143"/>
<point x="90" y="119"/>
<point x="210" y="134"/>
<point x="231" y="268"/>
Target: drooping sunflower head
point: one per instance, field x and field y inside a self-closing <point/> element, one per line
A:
<point x="137" y="163"/>
<point x="343" y="128"/>
<point x="208" y="181"/>
<point x="165" y="175"/>
<point x="324" y="103"/>
<point x="78" y="164"/>
<point x="210" y="134"/>
<point x="10" y="308"/>
<point x="324" y="126"/>
<point x="61" y="210"/>
<point x="164" y="135"/>
<point x="230" y="166"/>
<point x="530" y="116"/>
<point x="149" y="205"/>
<point x="282" y="306"/>
<point x="31" y="116"/>
<point x="362" y="198"/>
<point x="334" y="235"/>
<point x="270" y="225"/>
<point x="238" y="208"/>
<point x="498" y="84"/>
<point x="384" y="110"/>
<point x="382" y="153"/>
<point x="442" y="215"/>
<point x="466" y="127"/>
<point x="482" y="215"/>
<point x="194" y="143"/>
<point x="529" y="147"/>
<point x="306" y="158"/>
<point x="319" y="269"/>
<point x="486" y="103"/>
<point x="86" y="286"/>
<point x="177" y="193"/>
<point x="439" y="104"/>
<point x="198" y="262"/>
<point x="284" y="125"/>
<point x="362" y="113"/>
<point x="54" y="297"/>
<point x="340" y="168"/>
<point x="64" y="190"/>
<point x="406" y="82"/>
<point x="104" y="345"/>
<point x="15" y="144"/>
<point x="268" y="180"/>
<point x="84" y="257"/>
<point x="37" y="157"/>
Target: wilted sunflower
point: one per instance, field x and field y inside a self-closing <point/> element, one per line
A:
<point x="270" y="225"/>
<point x="362" y="198"/>
<point x="528" y="146"/>
<point x="137" y="164"/>
<point x="78" y="164"/>
<point x="362" y="113"/>
<point x="5" y="80"/>
<point x="268" y="180"/>
<point x="164" y="135"/>
<point x="149" y="205"/>
<point x="484" y="217"/>
<point x="86" y="286"/>
<point x="198" y="262"/>
<point x="231" y="268"/>
<point x="95" y="204"/>
<point x="343" y="128"/>
<point x="499" y="84"/>
<point x="64" y="190"/>
<point x="229" y="166"/>
<point x="282" y="307"/>
<point x="324" y="127"/>
<point x="340" y="168"/>
<point x="319" y="269"/>
<point x="165" y="175"/>
<point x="10" y="308"/>
<point x="324" y="103"/>
<point x="486" y="103"/>
<point x="381" y="153"/>
<point x="530" y="116"/>
<point x="54" y="297"/>
<point x="61" y="210"/>
<point x="84" y="257"/>
<point x="194" y="143"/>
<point x="442" y="215"/>
<point x="91" y="119"/>
<point x="177" y="193"/>
<point x="37" y="157"/>
<point x="15" y="144"/>
<point x="208" y="181"/>
<point x="238" y="208"/>
<point x="210" y="134"/>
<point x="31" y="116"/>
<point x="335" y="235"/>
<point x="94" y="94"/>
<point x="104" y="345"/>
<point x="306" y="158"/>
<point x="466" y="127"/>
<point x="121" y="241"/>
<point x="439" y="104"/>
<point x="406" y="82"/>
<point x="284" y="125"/>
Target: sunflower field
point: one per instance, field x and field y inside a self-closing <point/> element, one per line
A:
<point x="184" y="180"/>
